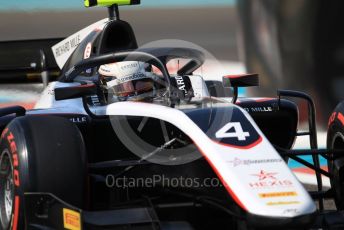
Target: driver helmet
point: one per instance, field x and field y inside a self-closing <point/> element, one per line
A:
<point x="128" y="80"/>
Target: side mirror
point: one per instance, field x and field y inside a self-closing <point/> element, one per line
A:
<point x="242" y="80"/>
<point x="75" y="92"/>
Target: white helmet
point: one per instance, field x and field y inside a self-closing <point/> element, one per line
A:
<point x="128" y="79"/>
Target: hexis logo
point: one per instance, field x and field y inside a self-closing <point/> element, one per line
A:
<point x="268" y="180"/>
<point x="265" y="175"/>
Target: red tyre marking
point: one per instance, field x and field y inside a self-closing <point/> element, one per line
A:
<point x="16" y="213"/>
<point x="332" y="118"/>
<point x="341" y="118"/>
<point x="14" y="153"/>
<point x="4" y="133"/>
<point x="16" y="177"/>
<point x="15" y="159"/>
<point x="10" y="137"/>
<point x="13" y="147"/>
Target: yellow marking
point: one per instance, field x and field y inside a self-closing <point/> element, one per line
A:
<point x="282" y="203"/>
<point x="71" y="219"/>
<point x="277" y="194"/>
<point x="107" y="2"/>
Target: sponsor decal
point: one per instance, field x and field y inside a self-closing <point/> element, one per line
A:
<point x="71" y="219"/>
<point x="282" y="203"/>
<point x="14" y="152"/>
<point x="277" y="194"/>
<point x="64" y="49"/>
<point x="78" y="119"/>
<point x="268" y="180"/>
<point x="181" y="85"/>
<point x="13" y="149"/>
<point x="88" y="51"/>
<point x="104" y="69"/>
<point x="237" y="161"/>
<point x="68" y="45"/>
<point x="259" y="109"/>
<point x="130" y="66"/>
<point x="135" y="76"/>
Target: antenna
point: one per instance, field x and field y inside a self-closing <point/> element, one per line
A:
<point x="113" y="12"/>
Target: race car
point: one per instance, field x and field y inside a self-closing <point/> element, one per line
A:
<point x="121" y="142"/>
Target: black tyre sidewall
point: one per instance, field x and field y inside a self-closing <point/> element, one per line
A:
<point x="336" y="130"/>
<point x="51" y="158"/>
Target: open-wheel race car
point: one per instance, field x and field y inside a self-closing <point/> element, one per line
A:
<point x="119" y="142"/>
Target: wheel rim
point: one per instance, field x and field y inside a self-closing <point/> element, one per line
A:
<point x="6" y="189"/>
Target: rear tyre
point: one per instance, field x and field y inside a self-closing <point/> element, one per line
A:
<point x="39" y="154"/>
<point x="335" y="140"/>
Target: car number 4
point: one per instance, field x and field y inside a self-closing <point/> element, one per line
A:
<point x="238" y="132"/>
